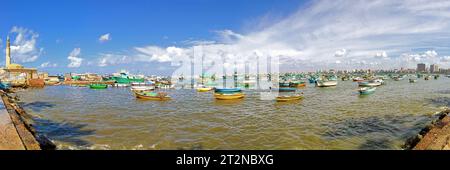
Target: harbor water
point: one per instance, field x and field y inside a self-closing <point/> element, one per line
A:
<point x="327" y="118"/>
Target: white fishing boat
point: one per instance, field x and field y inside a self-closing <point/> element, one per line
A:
<point x="371" y="83"/>
<point x="322" y="83"/>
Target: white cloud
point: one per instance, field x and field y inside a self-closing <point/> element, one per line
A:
<point x="364" y="31"/>
<point x="105" y="37"/>
<point x="23" y="46"/>
<point x="341" y="53"/>
<point x="75" y="60"/>
<point x="381" y="54"/>
<point x="48" y="64"/>
<point x="112" y="59"/>
<point x="445" y="59"/>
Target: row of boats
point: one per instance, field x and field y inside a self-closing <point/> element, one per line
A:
<point x="366" y="86"/>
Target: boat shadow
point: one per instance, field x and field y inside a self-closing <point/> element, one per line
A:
<point x="65" y="132"/>
<point x="37" y="106"/>
<point x="376" y="129"/>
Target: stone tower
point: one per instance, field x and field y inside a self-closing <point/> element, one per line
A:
<point x="8" y="53"/>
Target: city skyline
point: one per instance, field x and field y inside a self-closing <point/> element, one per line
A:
<point x="146" y="37"/>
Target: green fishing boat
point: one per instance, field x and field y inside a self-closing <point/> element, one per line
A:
<point x="98" y="86"/>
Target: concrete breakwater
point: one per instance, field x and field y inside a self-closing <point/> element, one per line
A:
<point x="16" y="128"/>
<point x="435" y="136"/>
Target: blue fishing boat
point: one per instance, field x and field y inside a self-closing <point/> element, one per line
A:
<point x="5" y="85"/>
<point x="366" y="90"/>
<point x="227" y="90"/>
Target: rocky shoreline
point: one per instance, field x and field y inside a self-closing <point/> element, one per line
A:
<point x="23" y="123"/>
<point x="435" y="136"/>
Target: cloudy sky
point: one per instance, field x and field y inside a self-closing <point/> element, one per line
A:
<point x="150" y="36"/>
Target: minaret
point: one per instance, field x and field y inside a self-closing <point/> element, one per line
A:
<point x="8" y="53"/>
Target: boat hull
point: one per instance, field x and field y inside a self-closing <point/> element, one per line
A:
<point x="98" y="86"/>
<point x="146" y="97"/>
<point x="205" y="89"/>
<point x="326" y="83"/>
<point x="220" y="96"/>
<point x="288" y="98"/>
<point x="366" y="91"/>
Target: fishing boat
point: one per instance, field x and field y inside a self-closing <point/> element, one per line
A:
<point x="358" y="79"/>
<point x="296" y="84"/>
<point x="287" y="89"/>
<point x="398" y="78"/>
<point x="204" y="89"/>
<point x="228" y="96"/>
<point x="412" y="80"/>
<point x="5" y="85"/>
<point x="366" y="90"/>
<point x="152" y="96"/>
<point x="427" y="78"/>
<point x="289" y="98"/>
<point x="227" y="90"/>
<point x="142" y="86"/>
<point x="323" y="83"/>
<point x="98" y="86"/>
<point x="285" y="84"/>
<point x="371" y="83"/>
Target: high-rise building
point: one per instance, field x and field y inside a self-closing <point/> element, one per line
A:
<point x="421" y="67"/>
<point x="434" y="68"/>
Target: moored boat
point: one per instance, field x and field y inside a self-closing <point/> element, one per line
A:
<point x="369" y="83"/>
<point x="227" y="90"/>
<point x="412" y="80"/>
<point x="204" y="89"/>
<point x="98" y="86"/>
<point x="5" y="85"/>
<point x="225" y="96"/>
<point x="322" y="83"/>
<point x="287" y="89"/>
<point x="289" y="98"/>
<point x="367" y="90"/>
<point x="358" y="79"/>
<point x="152" y="96"/>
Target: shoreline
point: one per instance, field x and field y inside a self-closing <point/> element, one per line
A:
<point x="20" y="125"/>
<point x="434" y="136"/>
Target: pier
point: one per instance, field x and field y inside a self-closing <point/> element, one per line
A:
<point x="16" y="130"/>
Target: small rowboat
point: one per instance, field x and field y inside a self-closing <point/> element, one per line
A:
<point x="358" y="79"/>
<point x="204" y="89"/>
<point x="227" y="90"/>
<point x="225" y="96"/>
<point x="330" y="83"/>
<point x="98" y="86"/>
<point x="289" y="98"/>
<point x="152" y="96"/>
<point x="366" y="90"/>
<point x="369" y="84"/>
<point x="412" y="80"/>
<point x="142" y="88"/>
<point x="287" y="89"/>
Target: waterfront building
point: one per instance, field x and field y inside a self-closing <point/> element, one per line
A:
<point x="421" y="67"/>
<point x="18" y="75"/>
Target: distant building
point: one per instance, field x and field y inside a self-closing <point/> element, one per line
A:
<point x="421" y="67"/>
<point x="434" y="68"/>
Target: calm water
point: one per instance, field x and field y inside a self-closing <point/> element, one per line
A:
<point x="327" y="118"/>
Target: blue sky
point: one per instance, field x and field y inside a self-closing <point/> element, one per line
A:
<point x="147" y="36"/>
<point x="65" y="25"/>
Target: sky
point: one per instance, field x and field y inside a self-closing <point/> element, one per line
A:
<point x="149" y="36"/>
